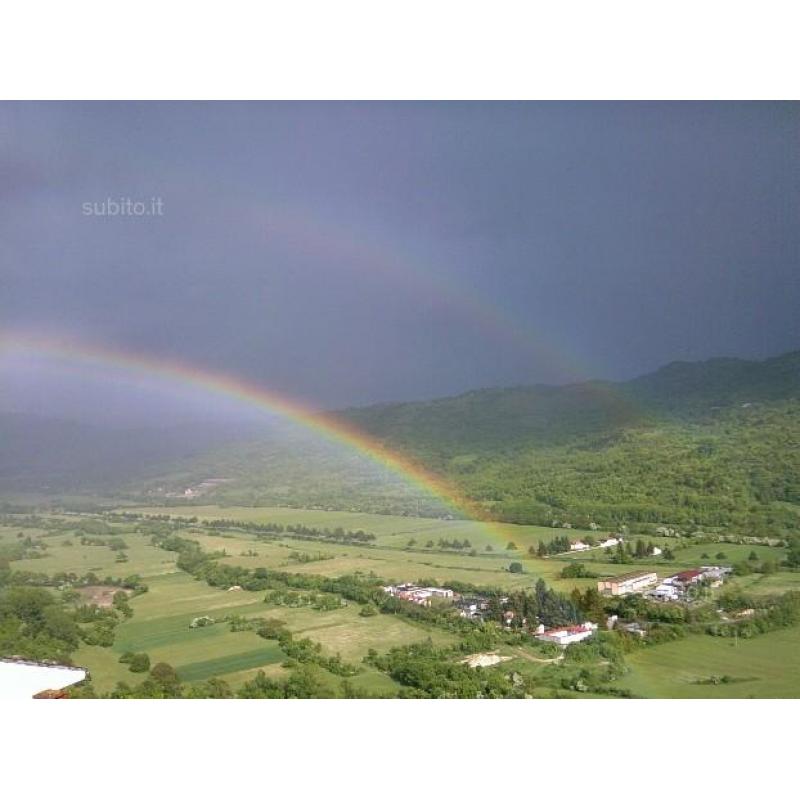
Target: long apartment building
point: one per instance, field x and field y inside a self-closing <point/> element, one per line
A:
<point x="627" y="583"/>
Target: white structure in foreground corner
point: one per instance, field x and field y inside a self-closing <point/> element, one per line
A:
<point x="565" y="636"/>
<point x="21" y="680"/>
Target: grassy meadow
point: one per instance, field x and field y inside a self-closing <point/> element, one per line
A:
<point x="765" y="667"/>
<point x="390" y="556"/>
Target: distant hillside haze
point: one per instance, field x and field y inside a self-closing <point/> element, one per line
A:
<point x="38" y="453"/>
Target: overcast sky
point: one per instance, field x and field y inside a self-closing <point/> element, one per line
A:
<point x="351" y="253"/>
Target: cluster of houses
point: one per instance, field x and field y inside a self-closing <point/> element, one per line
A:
<point x="421" y="595"/>
<point x="645" y="582"/>
<point x="675" y="587"/>
<point x="477" y="608"/>
<point x="611" y="541"/>
<point x="474" y="607"/>
<point x="579" y="546"/>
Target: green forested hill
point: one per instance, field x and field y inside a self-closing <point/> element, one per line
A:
<point x="714" y="444"/>
<point x="740" y="470"/>
<point x="495" y="419"/>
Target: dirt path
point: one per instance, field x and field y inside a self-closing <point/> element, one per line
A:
<point x="528" y="657"/>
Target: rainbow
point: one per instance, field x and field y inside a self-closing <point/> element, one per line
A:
<point x="252" y="394"/>
<point x="369" y="252"/>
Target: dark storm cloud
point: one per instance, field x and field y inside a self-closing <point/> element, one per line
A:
<point x="348" y="253"/>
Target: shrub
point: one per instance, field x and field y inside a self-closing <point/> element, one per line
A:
<point x="164" y="674"/>
<point x="139" y="662"/>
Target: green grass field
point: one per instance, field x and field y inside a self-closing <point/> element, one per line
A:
<point x="390" y="530"/>
<point x="142" y="558"/>
<point x="766" y="666"/>
<point x="771" y="584"/>
<point x="389" y="557"/>
<point x="686" y="554"/>
<point x="160" y="627"/>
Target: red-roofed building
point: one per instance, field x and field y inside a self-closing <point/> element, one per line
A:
<point x="688" y="577"/>
<point x="567" y="635"/>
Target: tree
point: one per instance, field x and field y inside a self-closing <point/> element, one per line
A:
<point x="213" y="688"/>
<point x="271" y="628"/>
<point x="721" y="556"/>
<point x="261" y="687"/>
<point x="139" y="662"/>
<point x="753" y="556"/>
<point x="120" y="602"/>
<point x="303" y="683"/>
<point x="164" y="674"/>
<point x="542" y="550"/>
<point x="511" y="546"/>
<point x="515" y="566"/>
<point x="59" y="625"/>
<point x="576" y="570"/>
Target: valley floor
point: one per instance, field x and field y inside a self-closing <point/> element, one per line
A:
<point x="696" y="666"/>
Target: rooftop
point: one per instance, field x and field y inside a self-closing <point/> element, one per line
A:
<point x="688" y="574"/>
<point x="629" y="576"/>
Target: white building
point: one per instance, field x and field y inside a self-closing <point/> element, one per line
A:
<point x="578" y="546"/>
<point x="437" y="592"/>
<point x="612" y="542"/>
<point x="566" y="636"/>
<point x="629" y="583"/>
<point x="665" y="591"/>
<point x="421" y="595"/>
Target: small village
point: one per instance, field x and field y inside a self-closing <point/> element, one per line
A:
<point x="674" y="588"/>
<point x="681" y="587"/>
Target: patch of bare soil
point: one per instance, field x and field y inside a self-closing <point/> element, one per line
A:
<point x="484" y="660"/>
<point x="101" y="596"/>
